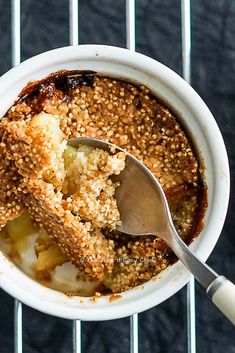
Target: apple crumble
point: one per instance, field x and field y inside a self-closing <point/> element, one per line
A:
<point x="58" y="212"/>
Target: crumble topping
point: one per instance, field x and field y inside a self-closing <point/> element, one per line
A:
<point x="39" y="173"/>
<point x="35" y="147"/>
<point x="74" y="219"/>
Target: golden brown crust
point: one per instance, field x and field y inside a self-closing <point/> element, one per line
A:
<point x="91" y="252"/>
<point x="34" y="147"/>
<point x="10" y="207"/>
<point x="133" y="119"/>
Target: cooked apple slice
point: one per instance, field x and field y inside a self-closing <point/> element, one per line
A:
<point x="50" y="258"/>
<point x="69" y="155"/>
<point x="21" y="227"/>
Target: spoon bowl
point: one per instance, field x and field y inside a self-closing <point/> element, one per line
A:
<point x="140" y="195"/>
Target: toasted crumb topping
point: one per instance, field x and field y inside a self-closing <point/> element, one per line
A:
<point x="36" y="149"/>
<point x="84" y="246"/>
<point x="79" y="210"/>
<point x="93" y="199"/>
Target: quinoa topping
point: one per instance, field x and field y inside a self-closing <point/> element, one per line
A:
<point x="73" y="200"/>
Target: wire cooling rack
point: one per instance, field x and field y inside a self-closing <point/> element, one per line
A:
<point x="130" y="44"/>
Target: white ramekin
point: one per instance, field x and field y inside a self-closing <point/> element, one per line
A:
<point x="195" y="116"/>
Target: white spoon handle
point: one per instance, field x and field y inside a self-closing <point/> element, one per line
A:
<point x="218" y="288"/>
<point x="222" y="293"/>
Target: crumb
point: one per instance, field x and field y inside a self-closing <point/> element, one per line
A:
<point x="95" y="297"/>
<point x="113" y="297"/>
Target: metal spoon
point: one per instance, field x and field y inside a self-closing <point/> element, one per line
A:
<point x="144" y="211"/>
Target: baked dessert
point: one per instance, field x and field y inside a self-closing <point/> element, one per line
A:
<point x="65" y="197"/>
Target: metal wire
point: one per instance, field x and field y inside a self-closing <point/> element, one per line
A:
<point x="130" y="44"/>
<point x="134" y="347"/>
<point x="18" y="327"/>
<point x="73" y="22"/>
<point x="15" y="32"/>
<point x="186" y="63"/>
<point x="186" y="38"/>
<point x="74" y="40"/>
<point x="15" y="60"/>
<point x="130" y="24"/>
<point x="77" y="336"/>
<point x="191" y="317"/>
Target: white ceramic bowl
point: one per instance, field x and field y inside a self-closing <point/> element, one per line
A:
<point x="195" y="116"/>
